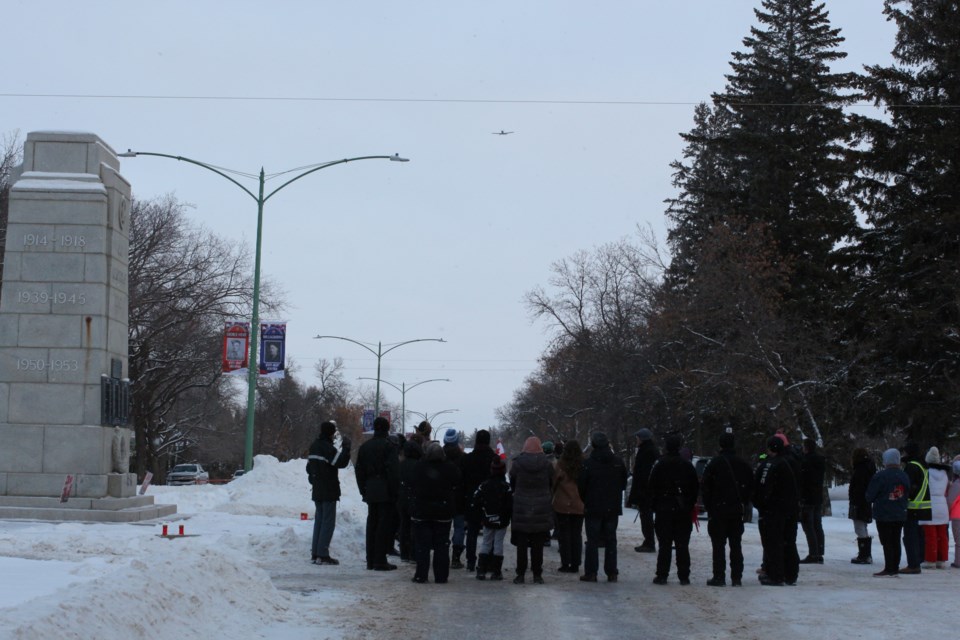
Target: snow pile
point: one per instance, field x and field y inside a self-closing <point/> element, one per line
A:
<point x="106" y="581"/>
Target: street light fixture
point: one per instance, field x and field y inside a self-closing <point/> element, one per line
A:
<point x="379" y="353"/>
<point x="403" y="396"/>
<point x="428" y="417"/>
<point x="260" y="199"/>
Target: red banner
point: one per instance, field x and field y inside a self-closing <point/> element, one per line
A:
<point x="236" y="347"/>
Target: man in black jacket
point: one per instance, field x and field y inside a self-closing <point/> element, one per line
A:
<point x="474" y="469"/>
<point x="673" y="489"/>
<point x="601" y="483"/>
<point x="647" y="455"/>
<point x="323" y="465"/>
<point x="813" y="468"/>
<point x="726" y="485"/>
<point x="378" y="481"/>
<point x="777" y="497"/>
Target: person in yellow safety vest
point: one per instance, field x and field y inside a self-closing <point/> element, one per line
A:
<point x="918" y="507"/>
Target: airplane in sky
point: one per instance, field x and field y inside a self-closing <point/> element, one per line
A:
<point x="502" y="133"/>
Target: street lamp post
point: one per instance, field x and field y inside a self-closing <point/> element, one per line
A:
<point x="379" y="353"/>
<point x="428" y="417"/>
<point x="403" y="396"/>
<point x="260" y="199"/>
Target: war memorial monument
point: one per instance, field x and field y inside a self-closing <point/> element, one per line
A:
<point x="64" y="443"/>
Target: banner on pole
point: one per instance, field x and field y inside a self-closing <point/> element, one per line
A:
<point x="368" y="417"/>
<point x="236" y="347"/>
<point x="273" y="347"/>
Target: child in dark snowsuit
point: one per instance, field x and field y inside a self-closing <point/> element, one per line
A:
<point x="494" y="500"/>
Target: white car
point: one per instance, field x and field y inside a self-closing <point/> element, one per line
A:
<point x="187" y="474"/>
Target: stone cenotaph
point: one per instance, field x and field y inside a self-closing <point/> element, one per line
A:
<point x="63" y="336"/>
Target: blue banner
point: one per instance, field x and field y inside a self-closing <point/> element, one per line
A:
<point x="273" y="347"/>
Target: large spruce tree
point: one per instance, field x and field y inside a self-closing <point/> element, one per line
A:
<point x="771" y="153"/>
<point x="785" y="141"/>
<point x="910" y="287"/>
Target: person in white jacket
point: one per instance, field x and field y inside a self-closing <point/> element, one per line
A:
<point x="935" y="530"/>
<point x="953" y="503"/>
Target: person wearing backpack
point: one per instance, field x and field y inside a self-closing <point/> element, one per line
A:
<point x="726" y="485"/>
<point x="493" y="501"/>
<point x="323" y="465"/>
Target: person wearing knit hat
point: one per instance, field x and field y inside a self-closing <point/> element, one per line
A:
<point x="646" y="457"/>
<point x="475" y="468"/>
<point x="494" y="504"/>
<point x="454" y="453"/>
<point x="323" y="466"/>
<point x="936" y="543"/>
<point x="887" y="494"/>
<point x="531" y="476"/>
<point x="918" y="507"/>
<point x="602" y="481"/>
<point x="673" y="487"/>
<point x="726" y="484"/>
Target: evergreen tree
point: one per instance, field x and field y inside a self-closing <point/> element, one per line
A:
<point x="771" y="154"/>
<point x="910" y="286"/>
<point x="787" y="144"/>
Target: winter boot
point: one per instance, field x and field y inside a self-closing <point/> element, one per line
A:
<point x="864" y="551"/>
<point x="496" y="564"/>
<point x="455" y="563"/>
<point x="482" y="566"/>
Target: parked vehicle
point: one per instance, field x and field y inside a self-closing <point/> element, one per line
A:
<point x="187" y="474"/>
<point x="238" y="473"/>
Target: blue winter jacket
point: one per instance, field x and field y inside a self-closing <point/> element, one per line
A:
<point x="887" y="492"/>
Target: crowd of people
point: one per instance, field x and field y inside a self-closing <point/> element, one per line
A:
<point x="446" y="509"/>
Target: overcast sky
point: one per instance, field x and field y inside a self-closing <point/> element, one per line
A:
<point x="444" y="246"/>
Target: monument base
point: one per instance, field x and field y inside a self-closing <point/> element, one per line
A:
<point x="133" y="509"/>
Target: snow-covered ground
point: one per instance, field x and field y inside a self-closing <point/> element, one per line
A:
<point x="242" y="571"/>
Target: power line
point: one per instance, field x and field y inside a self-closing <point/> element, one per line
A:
<point x="647" y="103"/>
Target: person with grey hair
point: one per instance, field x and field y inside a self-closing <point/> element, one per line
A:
<point x="887" y="493"/>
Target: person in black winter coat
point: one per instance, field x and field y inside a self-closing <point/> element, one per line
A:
<point x="813" y="467"/>
<point x="436" y="483"/>
<point x="602" y="481"/>
<point x="531" y="477"/>
<point x="323" y="465"/>
<point x="454" y="454"/>
<point x="726" y="486"/>
<point x="860" y="510"/>
<point x="493" y="501"/>
<point x="412" y="453"/>
<point x="379" y="482"/>
<point x="777" y="498"/>
<point x="475" y="468"/>
<point x="647" y="455"/>
<point x="673" y="489"/>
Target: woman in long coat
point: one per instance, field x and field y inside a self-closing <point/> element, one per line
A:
<point x="531" y="476"/>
